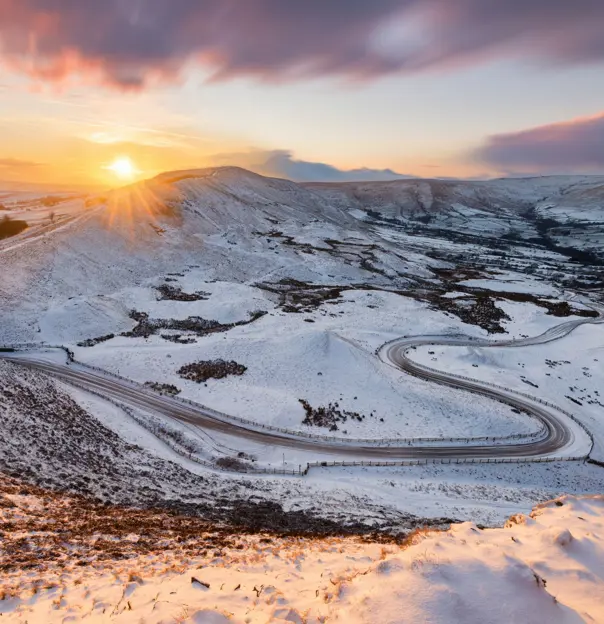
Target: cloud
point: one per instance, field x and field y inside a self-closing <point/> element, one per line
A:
<point x="15" y="164"/>
<point x="13" y="169"/>
<point x="281" y="164"/>
<point x="133" y="43"/>
<point x="571" y="146"/>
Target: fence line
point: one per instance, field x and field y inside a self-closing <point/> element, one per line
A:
<point x="379" y="442"/>
<point x="445" y="461"/>
<point x="247" y="469"/>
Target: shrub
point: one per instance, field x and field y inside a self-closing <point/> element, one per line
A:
<point x="168" y="389"/>
<point x="11" y="227"/>
<point x="211" y="369"/>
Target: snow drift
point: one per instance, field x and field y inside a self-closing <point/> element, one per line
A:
<point x="545" y="567"/>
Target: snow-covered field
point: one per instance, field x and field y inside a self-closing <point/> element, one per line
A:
<point x="568" y="372"/>
<point x="508" y="281"/>
<point x="330" y="359"/>
<point x="543" y="567"/>
<point x="481" y="492"/>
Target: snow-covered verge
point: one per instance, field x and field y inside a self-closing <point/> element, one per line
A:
<point x="66" y="560"/>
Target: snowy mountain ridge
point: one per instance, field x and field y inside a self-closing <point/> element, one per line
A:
<point x="239" y="226"/>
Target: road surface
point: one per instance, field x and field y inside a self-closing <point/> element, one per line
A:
<point x="560" y="430"/>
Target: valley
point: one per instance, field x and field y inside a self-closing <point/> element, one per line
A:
<point x="265" y="305"/>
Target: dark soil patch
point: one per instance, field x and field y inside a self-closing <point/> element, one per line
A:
<point x="11" y="227"/>
<point x="555" y="308"/>
<point x="174" y="293"/>
<point x="479" y="305"/>
<point x="299" y="297"/>
<point x="480" y="311"/>
<point x="178" y="338"/>
<point x="460" y="273"/>
<point x="563" y="308"/>
<point x="231" y="463"/>
<point x="194" y="324"/>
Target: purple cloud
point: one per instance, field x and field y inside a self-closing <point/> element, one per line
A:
<point x="131" y="43"/>
<point x="281" y="164"/>
<point x="576" y="145"/>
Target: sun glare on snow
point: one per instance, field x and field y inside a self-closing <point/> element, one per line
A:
<point x="123" y="168"/>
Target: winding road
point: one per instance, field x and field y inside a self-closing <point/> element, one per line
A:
<point x="560" y="430"/>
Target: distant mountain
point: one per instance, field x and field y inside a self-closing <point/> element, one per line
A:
<point x="559" y="211"/>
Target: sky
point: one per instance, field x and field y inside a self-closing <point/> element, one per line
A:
<point x="100" y="93"/>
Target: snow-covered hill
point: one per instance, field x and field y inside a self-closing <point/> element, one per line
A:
<point x="241" y="227"/>
<point x="513" y="207"/>
<point x="68" y="560"/>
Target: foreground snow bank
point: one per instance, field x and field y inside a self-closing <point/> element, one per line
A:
<point x="546" y="567"/>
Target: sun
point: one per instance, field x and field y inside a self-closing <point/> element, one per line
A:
<point x="123" y="168"/>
